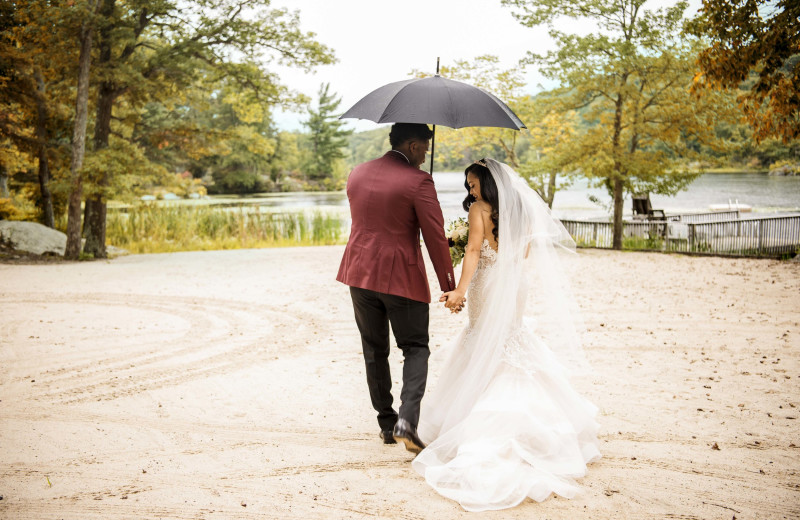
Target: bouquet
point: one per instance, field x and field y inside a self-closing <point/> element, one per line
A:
<point x="457" y="236"/>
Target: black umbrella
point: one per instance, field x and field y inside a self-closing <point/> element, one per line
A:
<point x="437" y="101"/>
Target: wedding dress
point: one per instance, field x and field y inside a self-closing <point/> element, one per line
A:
<point x="503" y="422"/>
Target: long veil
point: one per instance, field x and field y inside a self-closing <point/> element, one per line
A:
<point x="527" y="269"/>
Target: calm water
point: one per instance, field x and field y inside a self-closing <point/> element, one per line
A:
<point x="766" y="194"/>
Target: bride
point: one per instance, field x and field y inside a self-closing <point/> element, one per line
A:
<point x="503" y="422"/>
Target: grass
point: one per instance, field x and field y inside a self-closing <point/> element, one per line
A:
<point x="159" y="228"/>
<point x="736" y="169"/>
<point x="643" y="243"/>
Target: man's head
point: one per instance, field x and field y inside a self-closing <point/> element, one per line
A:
<point x="412" y="139"/>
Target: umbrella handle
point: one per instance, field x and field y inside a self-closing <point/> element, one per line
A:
<point x="433" y="147"/>
<point x="433" y="137"/>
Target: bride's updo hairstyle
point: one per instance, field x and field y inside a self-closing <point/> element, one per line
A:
<point x="488" y="191"/>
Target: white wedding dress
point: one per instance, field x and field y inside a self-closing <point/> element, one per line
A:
<point x="503" y="422"/>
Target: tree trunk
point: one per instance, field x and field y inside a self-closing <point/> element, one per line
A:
<point x="551" y="190"/>
<point x="618" y="184"/>
<point x="44" y="188"/>
<point x="96" y="203"/>
<point x="79" y="140"/>
<point x="96" y="227"/>
<point x="617" y="177"/>
<point x="4" y="182"/>
<point x="41" y="135"/>
<point x="87" y="211"/>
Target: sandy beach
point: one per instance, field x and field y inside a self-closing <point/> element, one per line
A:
<point x="230" y="385"/>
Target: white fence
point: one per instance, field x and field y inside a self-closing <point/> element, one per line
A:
<point x="698" y="233"/>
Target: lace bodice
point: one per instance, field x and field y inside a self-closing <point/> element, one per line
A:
<point x="476" y="287"/>
<point x="515" y="350"/>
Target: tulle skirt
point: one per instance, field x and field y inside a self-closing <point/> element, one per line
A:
<point x="529" y="434"/>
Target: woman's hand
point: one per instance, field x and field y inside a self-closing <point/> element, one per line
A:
<point x="453" y="300"/>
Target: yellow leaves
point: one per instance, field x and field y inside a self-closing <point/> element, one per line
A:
<point x="733" y="56"/>
<point x="255" y="142"/>
<point x="247" y="109"/>
<point x="12" y="158"/>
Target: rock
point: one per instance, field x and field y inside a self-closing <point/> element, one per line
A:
<point x="32" y="237"/>
<point x="113" y="251"/>
<point x="785" y="170"/>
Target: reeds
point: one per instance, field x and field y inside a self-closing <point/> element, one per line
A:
<point x="158" y="228"/>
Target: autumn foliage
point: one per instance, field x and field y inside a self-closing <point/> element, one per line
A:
<point x="758" y="42"/>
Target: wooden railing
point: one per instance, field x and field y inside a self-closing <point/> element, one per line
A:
<point x="771" y="236"/>
<point x="717" y="216"/>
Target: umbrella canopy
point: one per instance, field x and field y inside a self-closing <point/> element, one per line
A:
<point x="435" y="101"/>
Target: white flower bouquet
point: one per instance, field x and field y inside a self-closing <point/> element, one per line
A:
<point x="457" y="236"/>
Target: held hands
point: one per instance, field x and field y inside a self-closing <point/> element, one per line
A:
<point x="453" y="300"/>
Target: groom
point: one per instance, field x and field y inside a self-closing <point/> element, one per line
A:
<point x="391" y="201"/>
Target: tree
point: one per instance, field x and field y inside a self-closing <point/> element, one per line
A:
<point x="33" y="113"/>
<point x="213" y="134"/>
<point x="148" y="47"/>
<point x="534" y="152"/>
<point x="327" y="139"/>
<point x="367" y="145"/>
<point x="760" y="39"/>
<point x="553" y="152"/>
<point x="630" y="81"/>
<point x="287" y="159"/>
<point x="79" y="133"/>
<point x="472" y="143"/>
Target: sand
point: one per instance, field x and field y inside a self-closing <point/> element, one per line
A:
<point x="230" y="385"/>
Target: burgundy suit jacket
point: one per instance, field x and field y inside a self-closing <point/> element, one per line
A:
<point x="390" y="202"/>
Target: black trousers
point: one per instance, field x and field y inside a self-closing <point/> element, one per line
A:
<point x="374" y="312"/>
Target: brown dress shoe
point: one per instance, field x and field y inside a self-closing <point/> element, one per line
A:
<point x="403" y="431"/>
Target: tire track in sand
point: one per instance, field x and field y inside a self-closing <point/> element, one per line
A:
<point x="220" y="336"/>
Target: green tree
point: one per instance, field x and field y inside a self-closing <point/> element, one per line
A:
<point x="758" y="39"/>
<point x="538" y="153"/>
<point x="215" y="136"/>
<point x="549" y="163"/>
<point x="327" y="139"/>
<point x="630" y="81"/>
<point x="287" y="158"/>
<point x="367" y="145"/>
<point x="149" y="48"/>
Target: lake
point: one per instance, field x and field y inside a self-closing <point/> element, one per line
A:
<point x="766" y="194"/>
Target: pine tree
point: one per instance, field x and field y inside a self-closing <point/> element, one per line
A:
<point x="327" y="138"/>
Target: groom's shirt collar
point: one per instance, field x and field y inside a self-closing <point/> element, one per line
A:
<point x="401" y="154"/>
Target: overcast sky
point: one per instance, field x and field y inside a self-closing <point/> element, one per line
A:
<point x="380" y="41"/>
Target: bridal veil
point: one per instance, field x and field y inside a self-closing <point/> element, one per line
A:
<point x="503" y="422"/>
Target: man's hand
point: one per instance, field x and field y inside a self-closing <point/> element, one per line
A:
<point x="453" y="300"/>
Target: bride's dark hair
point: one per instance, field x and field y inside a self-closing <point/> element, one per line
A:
<point x="488" y="191"/>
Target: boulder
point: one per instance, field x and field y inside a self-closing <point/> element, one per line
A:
<point x="785" y="169"/>
<point x="32" y="237"/>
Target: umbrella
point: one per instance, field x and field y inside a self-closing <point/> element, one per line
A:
<point x="436" y="101"/>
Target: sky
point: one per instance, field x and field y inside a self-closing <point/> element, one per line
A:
<point x="381" y="41"/>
